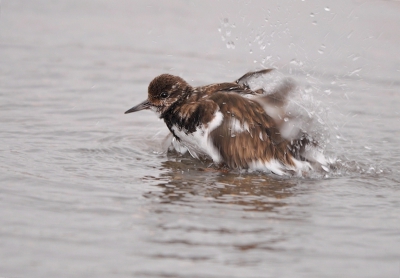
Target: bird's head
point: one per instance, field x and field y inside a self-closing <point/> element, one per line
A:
<point x="164" y="90"/>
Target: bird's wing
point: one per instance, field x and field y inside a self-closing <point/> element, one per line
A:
<point x="243" y="81"/>
<point x="247" y="133"/>
<point x="226" y="87"/>
<point x="275" y="103"/>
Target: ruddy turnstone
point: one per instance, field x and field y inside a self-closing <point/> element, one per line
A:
<point x="233" y="125"/>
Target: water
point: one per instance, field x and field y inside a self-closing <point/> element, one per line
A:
<point x="88" y="191"/>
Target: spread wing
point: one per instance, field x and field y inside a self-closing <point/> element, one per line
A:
<point x="239" y="86"/>
<point x="253" y="74"/>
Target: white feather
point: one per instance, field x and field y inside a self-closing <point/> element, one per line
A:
<point x="278" y="168"/>
<point x="199" y="143"/>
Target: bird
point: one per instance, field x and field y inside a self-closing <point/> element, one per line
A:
<point x="233" y="125"/>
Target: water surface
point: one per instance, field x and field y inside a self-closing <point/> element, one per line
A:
<point x="88" y="191"/>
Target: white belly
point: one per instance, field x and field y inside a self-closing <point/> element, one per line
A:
<point x="199" y="143"/>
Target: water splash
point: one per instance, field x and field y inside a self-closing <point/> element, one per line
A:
<point x="225" y="30"/>
<point x="296" y="63"/>
<point x="307" y="113"/>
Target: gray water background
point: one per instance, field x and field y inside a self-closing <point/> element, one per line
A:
<point x="87" y="191"/>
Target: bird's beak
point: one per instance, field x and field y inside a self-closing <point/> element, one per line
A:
<point x="142" y="106"/>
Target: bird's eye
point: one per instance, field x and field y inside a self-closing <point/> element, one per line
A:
<point x="163" y="95"/>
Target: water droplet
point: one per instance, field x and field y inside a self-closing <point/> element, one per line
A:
<point x="350" y="34"/>
<point x="327" y="9"/>
<point x="321" y="49"/>
<point x="314" y="23"/>
<point x="228" y="33"/>
<point x="266" y="19"/>
<point x="355" y="71"/>
<point x="219" y="30"/>
<point x="312" y="14"/>
<point x="296" y="63"/>
<point x="226" y="22"/>
<point x="251" y="51"/>
<point x="230" y="45"/>
<point x="286" y="119"/>
<point x="255" y="61"/>
<point x="262" y="47"/>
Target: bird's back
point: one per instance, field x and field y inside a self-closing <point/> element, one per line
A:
<point x="232" y="123"/>
<point x="237" y="128"/>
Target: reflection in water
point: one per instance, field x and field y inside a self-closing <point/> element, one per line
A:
<point x="186" y="177"/>
<point x="201" y="211"/>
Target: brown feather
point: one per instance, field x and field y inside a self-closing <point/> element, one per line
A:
<point x="248" y="133"/>
<point x="262" y="141"/>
